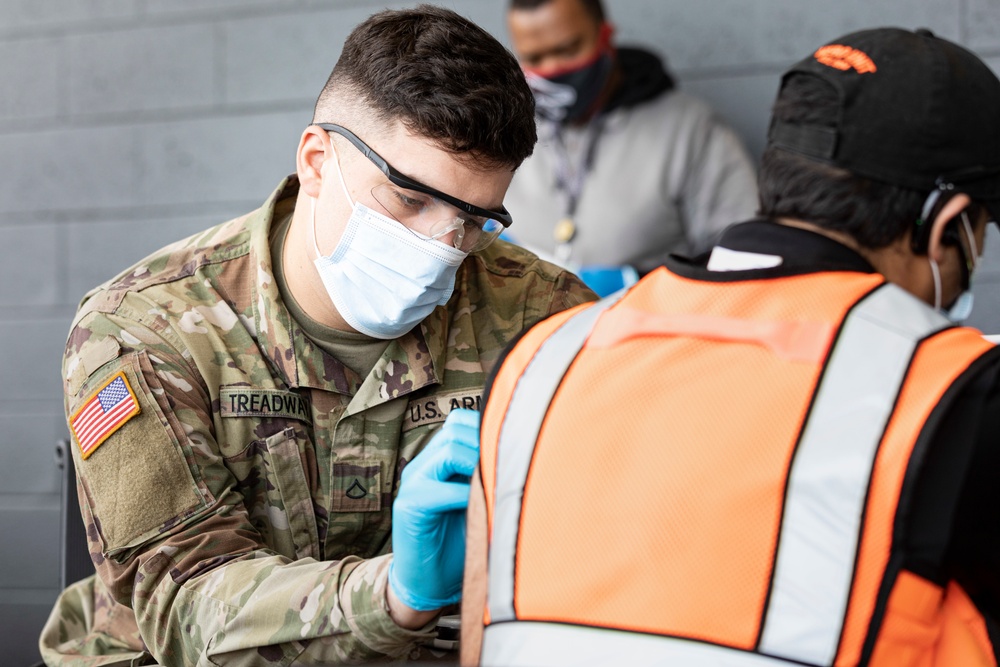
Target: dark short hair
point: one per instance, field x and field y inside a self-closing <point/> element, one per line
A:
<point x="593" y="7"/>
<point x="443" y="77"/>
<point x="874" y="213"/>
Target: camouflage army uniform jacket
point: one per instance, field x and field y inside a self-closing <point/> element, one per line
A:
<point x="243" y="514"/>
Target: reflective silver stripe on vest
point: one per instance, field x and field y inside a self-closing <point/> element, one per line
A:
<point x="556" y="645"/>
<point x="831" y="470"/>
<point x="532" y="394"/>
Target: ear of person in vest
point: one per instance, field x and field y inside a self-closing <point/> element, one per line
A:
<point x="632" y="526"/>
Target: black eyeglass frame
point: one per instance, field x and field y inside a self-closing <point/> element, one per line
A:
<point x="404" y="181"/>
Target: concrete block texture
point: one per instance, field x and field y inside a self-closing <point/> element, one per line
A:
<point x="738" y="35"/>
<point x="61" y="167"/>
<point x="21" y="14"/>
<point x="31" y="276"/>
<point x="982" y="25"/>
<point x="37" y="531"/>
<point x="22" y="618"/>
<point x="30" y="75"/>
<point x="160" y="8"/>
<point x="276" y="58"/>
<point x="271" y="58"/>
<point x="218" y="159"/>
<point x="172" y="163"/>
<point x="156" y="68"/>
<point x="32" y="361"/>
<point x="28" y="451"/>
<point x="489" y="14"/>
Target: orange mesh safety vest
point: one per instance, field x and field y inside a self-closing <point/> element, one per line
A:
<point x="709" y="474"/>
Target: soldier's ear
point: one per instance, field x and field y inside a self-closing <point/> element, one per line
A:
<point x="314" y="146"/>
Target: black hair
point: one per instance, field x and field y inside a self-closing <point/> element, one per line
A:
<point x="873" y="213"/>
<point x="442" y="76"/>
<point x="593" y="7"/>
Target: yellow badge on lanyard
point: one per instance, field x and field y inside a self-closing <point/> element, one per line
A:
<point x="565" y="231"/>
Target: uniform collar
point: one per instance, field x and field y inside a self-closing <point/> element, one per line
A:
<point x="801" y="251"/>
<point x="415" y="360"/>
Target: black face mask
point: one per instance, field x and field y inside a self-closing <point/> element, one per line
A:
<point x="569" y="96"/>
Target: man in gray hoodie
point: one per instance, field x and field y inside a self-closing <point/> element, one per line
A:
<point x="627" y="168"/>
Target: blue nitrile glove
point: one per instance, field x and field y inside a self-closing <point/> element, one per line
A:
<point x="428" y="516"/>
<point x="605" y="280"/>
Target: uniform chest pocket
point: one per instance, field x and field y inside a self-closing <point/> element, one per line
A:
<point x="357" y="487"/>
<point x="276" y="492"/>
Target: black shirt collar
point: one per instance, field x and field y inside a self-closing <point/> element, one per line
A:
<point x="801" y="250"/>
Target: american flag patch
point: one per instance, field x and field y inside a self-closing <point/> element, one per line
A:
<point x="105" y="412"/>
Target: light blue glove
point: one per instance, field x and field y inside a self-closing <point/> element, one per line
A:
<point x="605" y="280"/>
<point x="428" y="516"/>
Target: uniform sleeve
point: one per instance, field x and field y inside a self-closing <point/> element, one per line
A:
<point x="169" y="532"/>
<point x="569" y="292"/>
<point x="719" y="185"/>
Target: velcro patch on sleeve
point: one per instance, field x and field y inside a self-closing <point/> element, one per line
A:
<point x="106" y="411"/>
<point x="94" y="356"/>
<point x="142" y="485"/>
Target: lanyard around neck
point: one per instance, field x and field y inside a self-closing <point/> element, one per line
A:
<point x="570" y="181"/>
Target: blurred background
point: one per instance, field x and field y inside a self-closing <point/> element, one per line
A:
<point x="127" y="124"/>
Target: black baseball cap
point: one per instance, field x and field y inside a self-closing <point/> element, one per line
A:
<point x="916" y="111"/>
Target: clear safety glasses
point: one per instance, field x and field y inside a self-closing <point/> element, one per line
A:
<point x="428" y="212"/>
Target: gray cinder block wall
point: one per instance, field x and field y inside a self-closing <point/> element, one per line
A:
<point x="126" y="124"/>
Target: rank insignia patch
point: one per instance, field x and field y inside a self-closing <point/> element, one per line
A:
<point x="103" y="414"/>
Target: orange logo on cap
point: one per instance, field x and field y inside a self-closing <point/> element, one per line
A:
<point x="844" y="58"/>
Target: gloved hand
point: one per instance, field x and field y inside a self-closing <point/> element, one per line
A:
<point x="605" y="280"/>
<point x="428" y="516"/>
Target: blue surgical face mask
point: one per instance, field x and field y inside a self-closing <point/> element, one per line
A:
<point x="962" y="308"/>
<point x="383" y="278"/>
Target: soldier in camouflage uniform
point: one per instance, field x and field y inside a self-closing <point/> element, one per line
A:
<point x="239" y="444"/>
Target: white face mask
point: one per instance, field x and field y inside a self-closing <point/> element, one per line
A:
<point x="382" y="278"/>
<point x="962" y="308"/>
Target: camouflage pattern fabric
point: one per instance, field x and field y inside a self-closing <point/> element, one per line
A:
<point x="243" y="515"/>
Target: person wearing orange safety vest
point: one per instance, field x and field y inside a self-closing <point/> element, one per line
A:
<point x="783" y="452"/>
